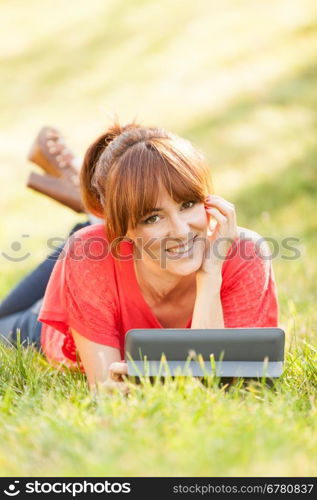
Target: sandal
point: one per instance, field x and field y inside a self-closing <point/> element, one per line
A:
<point x="61" y="190"/>
<point x="51" y="154"/>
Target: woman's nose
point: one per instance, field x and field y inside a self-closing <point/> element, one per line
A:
<point x="179" y="228"/>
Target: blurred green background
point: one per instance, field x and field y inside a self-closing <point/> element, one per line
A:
<point x="239" y="79"/>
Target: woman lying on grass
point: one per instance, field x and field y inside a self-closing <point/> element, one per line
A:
<point x="156" y="262"/>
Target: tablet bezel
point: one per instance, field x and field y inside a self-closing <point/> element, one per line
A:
<point x="264" y="355"/>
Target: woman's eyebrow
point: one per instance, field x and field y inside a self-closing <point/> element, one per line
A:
<point x="157" y="209"/>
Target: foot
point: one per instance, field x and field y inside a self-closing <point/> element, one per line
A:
<point x="49" y="151"/>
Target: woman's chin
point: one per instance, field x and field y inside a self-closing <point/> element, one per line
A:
<point x="184" y="266"/>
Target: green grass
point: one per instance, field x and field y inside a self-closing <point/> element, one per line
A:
<point x="180" y="427"/>
<point x="239" y="79"/>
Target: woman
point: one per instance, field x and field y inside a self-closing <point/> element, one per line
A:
<point x="153" y="263"/>
<point x="156" y="262"/>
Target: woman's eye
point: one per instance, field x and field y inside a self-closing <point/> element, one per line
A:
<point x="193" y="203"/>
<point x="149" y="219"/>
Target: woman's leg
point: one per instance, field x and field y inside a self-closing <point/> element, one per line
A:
<point x="26" y="321"/>
<point x="33" y="286"/>
<point x="50" y="152"/>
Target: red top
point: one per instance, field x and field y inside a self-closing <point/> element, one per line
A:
<point x="99" y="296"/>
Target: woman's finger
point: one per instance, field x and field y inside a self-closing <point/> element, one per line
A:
<point x="227" y="222"/>
<point x="227" y="209"/>
<point x="222" y="219"/>
<point x="119" y="367"/>
<point x="215" y="198"/>
<point x="117" y="370"/>
<point x="224" y="206"/>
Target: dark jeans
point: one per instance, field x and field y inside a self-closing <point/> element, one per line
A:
<point x="26" y="322"/>
<point x="21" y="307"/>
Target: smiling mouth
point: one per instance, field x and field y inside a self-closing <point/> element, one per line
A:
<point x="180" y="249"/>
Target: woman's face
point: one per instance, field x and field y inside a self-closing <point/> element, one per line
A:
<point x="171" y="238"/>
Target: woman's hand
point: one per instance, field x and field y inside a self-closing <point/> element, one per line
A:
<point x="117" y="370"/>
<point x="116" y="379"/>
<point x="219" y="237"/>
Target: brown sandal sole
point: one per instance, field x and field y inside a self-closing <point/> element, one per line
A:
<point x="59" y="190"/>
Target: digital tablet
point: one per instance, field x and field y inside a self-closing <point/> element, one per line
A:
<point x="225" y="352"/>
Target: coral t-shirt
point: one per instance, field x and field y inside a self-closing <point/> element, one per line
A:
<point x="98" y="295"/>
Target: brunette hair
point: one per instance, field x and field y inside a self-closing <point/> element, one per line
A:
<point x="124" y="168"/>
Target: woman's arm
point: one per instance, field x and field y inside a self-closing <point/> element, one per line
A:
<point x="208" y="308"/>
<point x="208" y="312"/>
<point x="97" y="360"/>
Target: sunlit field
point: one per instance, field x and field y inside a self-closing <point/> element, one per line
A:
<point x="237" y="78"/>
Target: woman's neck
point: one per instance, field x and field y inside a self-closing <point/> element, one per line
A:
<point x="159" y="287"/>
